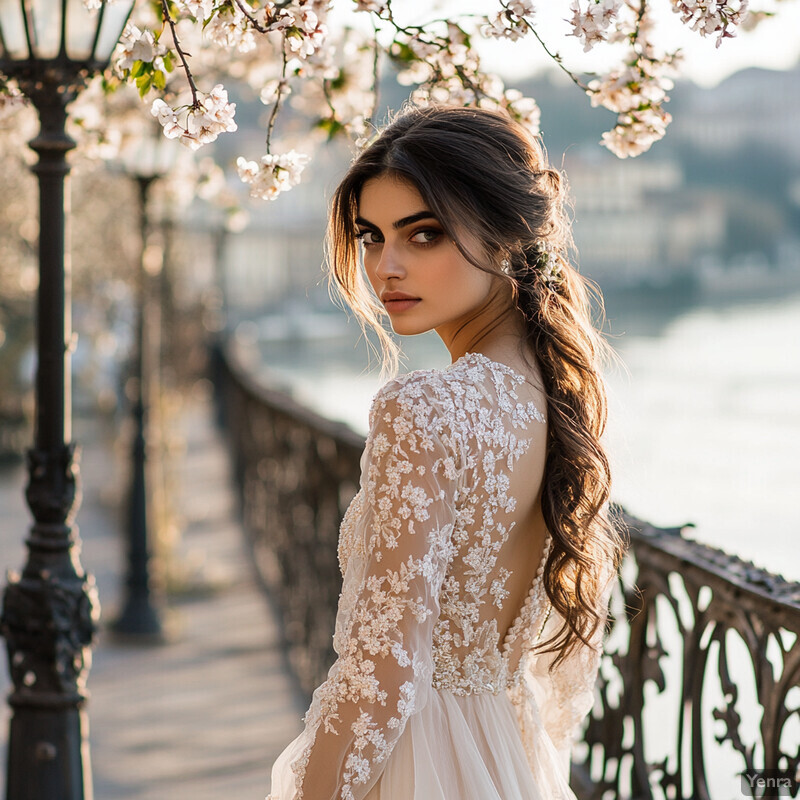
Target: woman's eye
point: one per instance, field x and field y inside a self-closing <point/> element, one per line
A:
<point x="368" y="237"/>
<point x="427" y="236"/>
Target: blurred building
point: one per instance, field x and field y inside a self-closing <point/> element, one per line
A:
<point x="753" y="108"/>
<point x="637" y="223"/>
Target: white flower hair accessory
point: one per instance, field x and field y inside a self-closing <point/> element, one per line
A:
<point x="548" y="266"/>
<point x="544" y="262"/>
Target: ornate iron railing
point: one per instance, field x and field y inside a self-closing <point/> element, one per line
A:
<point x="711" y="643"/>
<point x="699" y="687"/>
<point x="296" y="473"/>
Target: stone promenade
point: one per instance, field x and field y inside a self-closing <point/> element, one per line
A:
<point x="203" y="716"/>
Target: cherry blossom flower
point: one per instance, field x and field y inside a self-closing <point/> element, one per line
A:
<point x="591" y="26"/>
<point x="524" y="109"/>
<point x="521" y="8"/>
<point x="209" y="180"/>
<point x="273" y="89"/>
<point x="501" y="27"/>
<point x="508" y="23"/>
<point x="320" y="65"/>
<point x="636" y="131"/>
<point x="167" y="118"/>
<point x="229" y="29"/>
<point x="416" y="72"/>
<point x="636" y="93"/>
<point x="273" y="175"/>
<point x="422" y="48"/>
<point x="138" y="45"/>
<point x="629" y="89"/>
<point x="202" y="123"/>
<point x="11" y="101"/>
<point x="305" y="28"/>
<point x="372" y="6"/>
<point x="218" y="110"/>
<point x="708" y="17"/>
<point x="201" y="10"/>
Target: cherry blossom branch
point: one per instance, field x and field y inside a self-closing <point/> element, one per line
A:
<point x="248" y="15"/>
<point x="326" y="94"/>
<point x="637" y="30"/>
<point x="399" y="28"/>
<point x="340" y="85"/>
<point x="167" y="17"/>
<point x="279" y="94"/>
<point x="375" y="73"/>
<point x="554" y="56"/>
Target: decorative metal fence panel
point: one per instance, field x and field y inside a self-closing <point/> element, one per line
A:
<point x="700" y="681"/>
<point x="702" y="662"/>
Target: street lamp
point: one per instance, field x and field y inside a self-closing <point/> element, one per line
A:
<point x="147" y="161"/>
<point x="50" y="611"/>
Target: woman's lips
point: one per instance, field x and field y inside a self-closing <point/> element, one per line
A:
<point x="401" y="305"/>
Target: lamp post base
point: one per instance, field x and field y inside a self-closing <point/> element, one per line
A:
<point x="48" y="755"/>
<point x="139" y="622"/>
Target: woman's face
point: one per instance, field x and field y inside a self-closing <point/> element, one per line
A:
<point x="415" y="269"/>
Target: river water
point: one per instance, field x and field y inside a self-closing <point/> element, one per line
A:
<point x="704" y="423"/>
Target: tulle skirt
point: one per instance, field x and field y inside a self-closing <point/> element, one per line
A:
<point x="462" y="748"/>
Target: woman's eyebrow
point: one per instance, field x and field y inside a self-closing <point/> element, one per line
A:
<point x="400" y="223"/>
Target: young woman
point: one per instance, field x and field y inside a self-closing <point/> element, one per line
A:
<point x="477" y="555"/>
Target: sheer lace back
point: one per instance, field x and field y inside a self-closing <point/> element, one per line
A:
<point x="473" y="406"/>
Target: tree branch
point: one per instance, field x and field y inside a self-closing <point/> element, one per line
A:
<point x="167" y="17"/>
<point x="278" y="99"/>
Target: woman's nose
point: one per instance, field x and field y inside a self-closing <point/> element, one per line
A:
<point x="390" y="264"/>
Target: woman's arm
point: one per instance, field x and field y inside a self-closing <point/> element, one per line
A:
<point x="389" y="603"/>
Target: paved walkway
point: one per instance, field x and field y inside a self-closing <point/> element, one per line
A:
<point x="202" y="717"/>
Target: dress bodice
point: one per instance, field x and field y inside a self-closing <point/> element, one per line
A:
<point x="472" y="406"/>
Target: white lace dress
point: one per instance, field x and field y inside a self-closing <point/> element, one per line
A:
<point x="425" y="702"/>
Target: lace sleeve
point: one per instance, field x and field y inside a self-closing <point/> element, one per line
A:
<point x="565" y="696"/>
<point x="388" y="606"/>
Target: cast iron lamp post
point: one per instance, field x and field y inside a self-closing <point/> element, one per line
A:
<point x="50" y="611"/>
<point x="147" y="162"/>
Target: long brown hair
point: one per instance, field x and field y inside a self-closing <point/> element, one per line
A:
<point x="479" y="170"/>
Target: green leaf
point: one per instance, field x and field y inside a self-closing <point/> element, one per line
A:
<point x="339" y="81"/>
<point x="139" y="68"/>
<point x="144" y="83"/>
<point x="169" y="61"/>
<point x="160" y="80"/>
<point x="110" y="84"/>
<point x="402" y="53"/>
<point x="330" y="125"/>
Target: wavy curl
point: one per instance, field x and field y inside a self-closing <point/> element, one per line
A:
<point x="480" y="171"/>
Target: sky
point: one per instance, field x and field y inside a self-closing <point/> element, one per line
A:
<point x="775" y="44"/>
